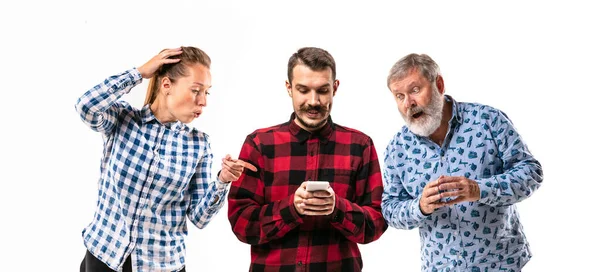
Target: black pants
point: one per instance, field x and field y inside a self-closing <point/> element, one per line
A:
<point x="91" y="264"/>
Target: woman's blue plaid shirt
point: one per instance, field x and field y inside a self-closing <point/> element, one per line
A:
<point x="152" y="177"/>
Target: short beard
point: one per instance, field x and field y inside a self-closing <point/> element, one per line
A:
<point x="312" y="126"/>
<point x="431" y="117"/>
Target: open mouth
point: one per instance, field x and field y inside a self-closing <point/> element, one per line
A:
<point x="417" y="115"/>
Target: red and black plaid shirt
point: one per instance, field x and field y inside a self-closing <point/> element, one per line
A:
<point x="261" y="209"/>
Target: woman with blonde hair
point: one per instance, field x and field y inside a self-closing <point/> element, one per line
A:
<point x="155" y="170"/>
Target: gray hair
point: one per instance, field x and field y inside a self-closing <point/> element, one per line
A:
<point x="423" y="63"/>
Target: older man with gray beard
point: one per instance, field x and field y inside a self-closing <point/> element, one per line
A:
<point x="455" y="171"/>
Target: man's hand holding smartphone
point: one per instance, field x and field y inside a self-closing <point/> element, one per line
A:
<point x="314" y="198"/>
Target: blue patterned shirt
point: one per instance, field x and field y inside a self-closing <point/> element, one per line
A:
<point x="482" y="145"/>
<point x="152" y="176"/>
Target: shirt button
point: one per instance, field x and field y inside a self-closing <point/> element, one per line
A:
<point x="299" y="263"/>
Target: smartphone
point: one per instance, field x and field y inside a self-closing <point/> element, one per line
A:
<point x="312" y="186"/>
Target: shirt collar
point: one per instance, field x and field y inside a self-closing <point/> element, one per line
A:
<point x="148" y="117"/>
<point x="456" y="118"/>
<point x="324" y="134"/>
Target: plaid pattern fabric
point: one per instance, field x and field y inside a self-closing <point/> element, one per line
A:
<point x="152" y="176"/>
<point x="261" y="209"/>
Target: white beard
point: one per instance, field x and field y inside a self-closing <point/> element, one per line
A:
<point x="431" y="118"/>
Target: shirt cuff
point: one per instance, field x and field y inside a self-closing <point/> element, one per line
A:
<point x="338" y="211"/>
<point x="486" y="189"/>
<point x="416" y="212"/>
<point x="219" y="195"/>
<point x="135" y="74"/>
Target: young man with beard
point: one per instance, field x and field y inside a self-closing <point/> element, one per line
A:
<point x="455" y="171"/>
<point x="289" y="227"/>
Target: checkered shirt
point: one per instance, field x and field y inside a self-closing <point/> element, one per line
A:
<point x="261" y="209"/>
<point x="152" y="176"/>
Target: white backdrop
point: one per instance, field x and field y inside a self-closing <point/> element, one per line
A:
<point x="538" y="62"/>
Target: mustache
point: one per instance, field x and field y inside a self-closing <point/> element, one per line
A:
<point x="313" y="108"/>
<point x="415" y="110"/>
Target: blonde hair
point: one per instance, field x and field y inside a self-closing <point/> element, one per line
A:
<point x="189" y="56"/>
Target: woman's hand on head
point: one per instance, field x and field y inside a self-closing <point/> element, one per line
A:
<point x="149" y="68"/>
